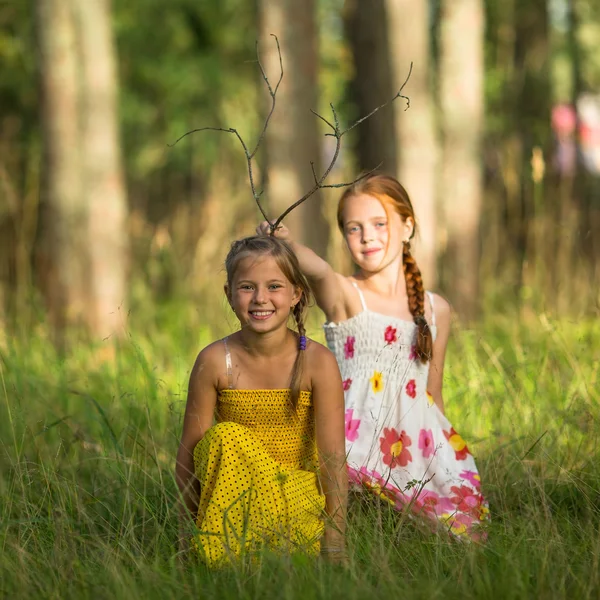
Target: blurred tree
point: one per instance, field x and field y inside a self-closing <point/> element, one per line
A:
<point x="409" y="41"/>
<point x="462" y="101"/>
<point x="374" y="80"/>
<point x="63" y="225"/>
<point x="104" y="191"/>
<point x="83" y="257"/>
<point x="292" y="140"/>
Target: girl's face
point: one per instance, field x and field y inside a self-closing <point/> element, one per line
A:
<point x="374" y="237"/>
<point x="261" y="295"/>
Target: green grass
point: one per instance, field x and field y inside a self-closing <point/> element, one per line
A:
<point x="87" y="491"/>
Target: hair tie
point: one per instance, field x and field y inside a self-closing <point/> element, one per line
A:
<point x="420" y="319"/>
<point x="302" y="342"/>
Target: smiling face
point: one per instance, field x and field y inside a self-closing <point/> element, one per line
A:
<point x="374" y="235"/>
<point x="260" y="294"/>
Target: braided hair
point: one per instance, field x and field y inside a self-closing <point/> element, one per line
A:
<point x="390" y="192"/>
<point x="286" y="260"/>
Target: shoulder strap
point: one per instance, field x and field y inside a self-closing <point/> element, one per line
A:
<point x="430" y="296"/>
<point x="360" y="294"/>
<point x="228" y="365"/>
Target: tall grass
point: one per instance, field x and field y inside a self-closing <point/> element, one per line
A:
<point x="87" y="490"/>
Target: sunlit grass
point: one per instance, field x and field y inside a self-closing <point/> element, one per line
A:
<point x="87" y="492"/>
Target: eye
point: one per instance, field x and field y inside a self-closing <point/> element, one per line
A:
<point x="245" y="286"/>
<point x="275" y="286"/>
<point x="353" y="229"/>
<point x="381" y="224"/>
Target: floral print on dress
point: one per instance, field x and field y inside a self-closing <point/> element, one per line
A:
<point x="349" y="347"/>
<point x="426" y="442"/>
<point x="352" y="426"/>
<point x="390" y="335"/>
<point x="472" y="477"/>
<point x="375" y="483"/>
<point x="466" y="500"/>
<point x="376" y="382"/>
<point x="394" y="447"/>
<point x="458" y="444"/>
<point x="413" y="353"/>
<point x="400" y="446"/>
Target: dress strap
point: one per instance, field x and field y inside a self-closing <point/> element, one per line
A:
<point x="228" y="365"/>
<point x="360" y="294"/>
<point x="430" y="296"/>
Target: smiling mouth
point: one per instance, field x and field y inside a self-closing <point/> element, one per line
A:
<point x="371" y="251"/>
<point x="261" y="315"/>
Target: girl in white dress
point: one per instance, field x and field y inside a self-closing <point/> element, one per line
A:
<point x="389" y="337"/>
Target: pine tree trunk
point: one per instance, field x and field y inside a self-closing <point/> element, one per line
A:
<point x="373" y="84"/>
<point x="104" y="186"/>
<point x="292" y="140"/>
<point x="409" y="41"/>
<point x="462" y="103"/>
<point x="62" y="231"/>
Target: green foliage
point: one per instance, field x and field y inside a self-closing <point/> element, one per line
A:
<point x="87" y="491"/>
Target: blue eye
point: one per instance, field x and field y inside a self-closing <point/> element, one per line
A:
<point x="381" y="224"/>
<point x="275" y="286"/>
<point x="353" y="229"/>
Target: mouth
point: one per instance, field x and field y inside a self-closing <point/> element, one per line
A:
<point x="370" y="251"/>
<point x="261" y="315"/>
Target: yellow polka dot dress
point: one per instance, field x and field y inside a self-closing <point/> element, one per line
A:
<point x="257" y="469"/>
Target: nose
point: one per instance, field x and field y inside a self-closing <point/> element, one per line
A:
<point x="367" y="235"/>
<point x="260" y="296"/>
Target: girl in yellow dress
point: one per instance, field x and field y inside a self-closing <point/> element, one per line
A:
<point x="261" y="462"/>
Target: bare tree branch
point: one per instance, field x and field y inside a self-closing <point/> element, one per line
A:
<point x="250" y="155"/>
<point x="338" y="134"/>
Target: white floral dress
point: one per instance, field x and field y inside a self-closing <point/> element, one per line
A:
<point x="399" y="444"/>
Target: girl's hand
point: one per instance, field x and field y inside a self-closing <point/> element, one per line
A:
<point x="282" y="232"/>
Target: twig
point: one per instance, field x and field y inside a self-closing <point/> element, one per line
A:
<point x="338" y="134"/>
<point x="250" y="155"/>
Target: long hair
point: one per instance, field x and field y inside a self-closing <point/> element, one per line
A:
<point x="392" y="195"/>
<point x="281" y="251"/>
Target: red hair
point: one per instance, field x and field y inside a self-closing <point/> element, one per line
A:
<point x="392" y="195"/>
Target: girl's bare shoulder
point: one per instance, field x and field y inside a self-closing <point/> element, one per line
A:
<point x="211" y="362"/>
<point x="441" y="308"/>
<point x="320" y="361"/>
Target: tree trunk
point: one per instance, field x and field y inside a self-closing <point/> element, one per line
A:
<point x="409" y="40"/>
<point x="292" y="139"/>
<point x="461" y="98"/>
<point x="104" y="187"/>
<point x="63" y="217"/>
<point x="373" y="84"/>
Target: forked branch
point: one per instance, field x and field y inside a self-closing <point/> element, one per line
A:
<point x="250" y="155"/>
<point x="336" y="131"/>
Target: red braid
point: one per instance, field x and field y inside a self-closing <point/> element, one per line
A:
<point x="416" y="304"/>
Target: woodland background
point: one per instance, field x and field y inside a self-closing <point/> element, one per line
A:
<point x="112" y="242"/>
<point x="99" y="215"/>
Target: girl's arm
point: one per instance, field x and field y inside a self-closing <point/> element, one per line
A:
<point x="328" y="399"/>
<point x="328" y="286"/>
<point x="436" y="368"/>
<point x="198" y="418"/>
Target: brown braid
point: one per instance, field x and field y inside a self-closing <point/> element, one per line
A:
<point x="416" y="304"/>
